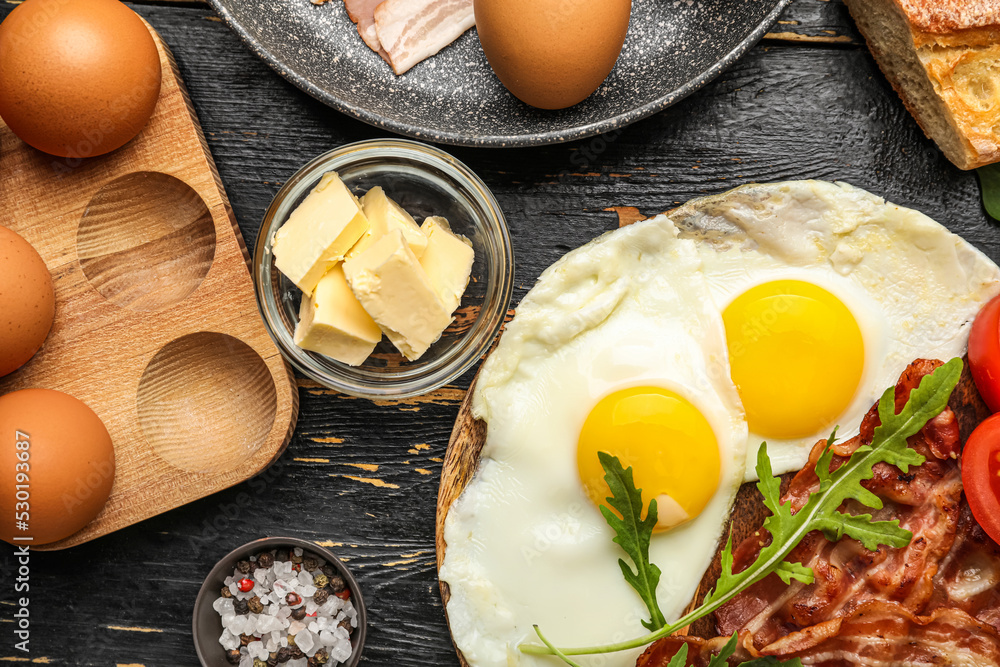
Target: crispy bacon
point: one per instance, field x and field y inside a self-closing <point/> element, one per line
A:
<point x="412" y="30"/>
<point x="876" y="634"/>
<point x="927" y="603"/>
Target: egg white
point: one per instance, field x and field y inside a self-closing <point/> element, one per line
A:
<point x="913" y="286"/>
<point x="525" y="545"/>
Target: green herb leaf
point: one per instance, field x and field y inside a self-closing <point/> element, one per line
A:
<point x="821" y="511"/>
<point x="787" y="571"/>
<point x="989" y="181"/>
<point x="721" y="659"/>
<point x="771" y="661"/>
<point x="632" y="534"/>
<point x="680" y="658"/>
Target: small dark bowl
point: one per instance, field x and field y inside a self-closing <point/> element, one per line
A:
<point x="207" y="624"/>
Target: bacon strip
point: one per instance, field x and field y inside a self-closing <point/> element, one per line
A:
<point x="412" y="30"/>
<point x="362" y="12"/>
<point x="877" y="634"/>
<point x="926" y="603"/>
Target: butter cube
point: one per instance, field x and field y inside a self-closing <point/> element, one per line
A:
<point x="332" y="321"/>
<point x="392" y="286"/>
<point x="447" y="261"/>
<point x="319" y="232"/>
<point x="385" y="215"/>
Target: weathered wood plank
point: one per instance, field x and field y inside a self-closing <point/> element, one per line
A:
<point x="783" y="112"/>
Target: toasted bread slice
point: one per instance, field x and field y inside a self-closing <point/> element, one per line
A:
<point x="943" y="58"/>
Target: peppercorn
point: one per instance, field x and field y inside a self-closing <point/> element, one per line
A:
<point x="272" y="660"/>
<point x="257" y="662"/>
<point x="293" y="599"/>
<point x="321" y="596"/>
<point x="321" y="657"/>
<point x="291" y="641"/>
<point x="265" y="559"/>
<point x="320" y="580"/>
<point x="297" y="653"/>
<point x="327" y="569"/>
<point x="297" y="567"/>
<point x="246" y="639"/>
<point x="310" y="563"/>
<point x="241" y="607"/>
<point x="295" y="558"/>
<point x="226" y="593"/>
<point x="346" y="624"/>
<point x="243" y="566"/>
<point x="233" y="656"/>
<point x="255" y="605"/>
<point x="344" y="594"/>
<point x="284" y="654"/>
<point x="299" y="614"/>
<point x="337" y="584"/>
<point x="245" y="585"/>
<point x="281" y="555"/>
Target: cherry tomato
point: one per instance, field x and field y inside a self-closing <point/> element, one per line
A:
<point x="984" y="353"/>
<point x="981" y="475"/>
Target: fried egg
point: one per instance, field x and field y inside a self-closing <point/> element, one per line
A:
<point x="827" y="292"/>
<point x="618" y="348"/>
<point x="679" y="344"/>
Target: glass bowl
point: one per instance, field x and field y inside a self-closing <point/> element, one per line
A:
<point x="425" y="181"/>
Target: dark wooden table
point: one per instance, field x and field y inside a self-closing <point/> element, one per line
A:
<point x="362" y="477"/>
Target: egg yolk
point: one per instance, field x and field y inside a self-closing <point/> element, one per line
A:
<point x="796" y="355"/>
<point x="666" y="440"/>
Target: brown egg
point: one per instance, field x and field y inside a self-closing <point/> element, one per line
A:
<point x="78" y="78"/>
<point x="66" y="461"/>
<point x="552" y="54"/>
<point x="27" y="301"/>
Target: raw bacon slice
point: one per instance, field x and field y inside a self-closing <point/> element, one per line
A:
<point x="412" y="30"/>
<point x="362" y="12"/>
<point x="931" y="602"/>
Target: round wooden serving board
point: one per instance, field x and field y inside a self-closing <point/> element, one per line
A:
<point x="468" y="437"/>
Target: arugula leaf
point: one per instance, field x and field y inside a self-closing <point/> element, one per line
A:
<point x="821" y="511"/>
<point x="771" y="661"/>
<point x="632" y="534"/>
<point x="680" y="658"/>
<point x="989" y="181"/>
<point x="721" y="659"/>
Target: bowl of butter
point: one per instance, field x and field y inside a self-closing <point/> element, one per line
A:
<point x="383" y="269"/>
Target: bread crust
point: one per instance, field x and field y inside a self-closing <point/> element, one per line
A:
<point x="952" y="22"/>
<point x="943" y="58"/>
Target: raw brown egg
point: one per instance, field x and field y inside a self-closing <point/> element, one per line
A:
<point x="56" y="457"/>
<point x="27" y="301"/>
<point x="552" y="54"/>
<point x="78" y="78"/>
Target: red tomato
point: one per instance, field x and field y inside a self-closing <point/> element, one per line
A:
<point x="984" y="353"/>
<point x="981" y="475"/>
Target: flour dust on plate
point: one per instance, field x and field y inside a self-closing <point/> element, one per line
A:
<point x="672" y="49"/>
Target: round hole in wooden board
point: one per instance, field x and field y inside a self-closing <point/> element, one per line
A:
<point x="146" y="241"/>
<point x="206" y="402"/>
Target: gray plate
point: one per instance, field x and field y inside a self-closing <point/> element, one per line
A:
<point x="673" y="48"/>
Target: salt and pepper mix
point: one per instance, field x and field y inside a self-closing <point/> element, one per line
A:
<point x="286" y="607"/>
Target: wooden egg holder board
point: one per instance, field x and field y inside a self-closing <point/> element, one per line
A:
<point x="156" y="328"/>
